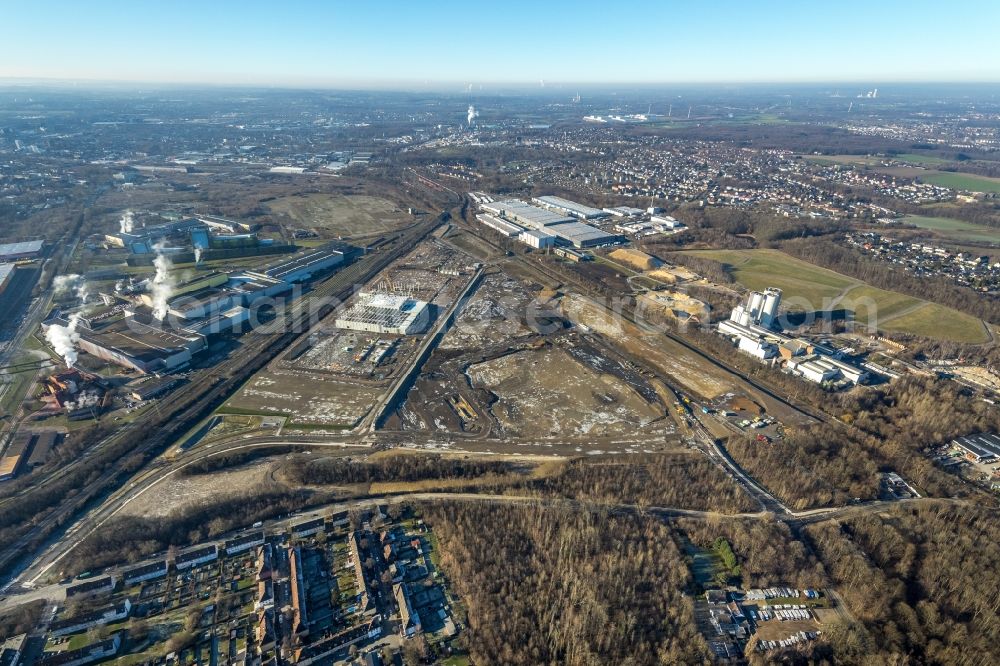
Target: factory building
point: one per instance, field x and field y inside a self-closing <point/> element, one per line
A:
<point x="17" y="453"/>
<point x="537" y="238"/>
<point x="198" y="304"/>
<point x="570" y="208"/>
<point x="751" y="325"/>
<point x="525" y="214"/>
<point x="566" y="229"/>
<point x="667" y="221"/>
<point x="142" y="239"/>
<point x="502" y="227"/>
<point x="201" y="281"/>
<point x="378" y="312"/>
<point x="229" y="320"/>
<point x="583" y="235"/>
<point x="758" y="347"/>
<point x="303" y="266"/>
<point x="760" y="309"/>
<point x="136" y="342"/>
<point x="983" y="448"/>
<point x="6" y="273"/>
<point x="225" y="224"/>
<point x="624" y="211"/>
<point x="20" y="251"/>
<point x="820" y="369"/>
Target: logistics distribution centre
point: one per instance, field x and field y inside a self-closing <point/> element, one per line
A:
<point x="545" y="227"/>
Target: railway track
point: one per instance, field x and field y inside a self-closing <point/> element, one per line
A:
<point x="628" y="312"/>
<point x="188" y="405"/>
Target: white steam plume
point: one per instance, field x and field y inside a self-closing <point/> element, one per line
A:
<point x="64" y="338"/>
<point x="62" y="284"/>
<point x="472" y="114"/>
<point x="197" y="255"/>
<point x="82" y="292"/>
<point x="162" y="285"/>
<point x="126" y="224"/>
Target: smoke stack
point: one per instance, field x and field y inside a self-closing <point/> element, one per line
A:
<point x="64" y="338"/>
<point x="162" y="286"/>
<point x="472" y="114"/>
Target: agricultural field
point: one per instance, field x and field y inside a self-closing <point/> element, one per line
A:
<point x="875" y="160"/>
<point x="810" y="288"/>
<point x="927" y="160"/>
<point x="955" y="229"/>
<point x="962" y="181"/>
<point x="341" y="215"/>
<point x="858" y="160"/>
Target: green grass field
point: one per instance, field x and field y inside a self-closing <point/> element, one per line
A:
<point x="938" y="322"/>
<point x="806" y="287"/>
<point x="962" y="181"/>
<point x="956" y="229"/>
<point x="844" y="159"/>
<point x="928" y="160"/>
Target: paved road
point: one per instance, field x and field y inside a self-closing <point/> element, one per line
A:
<point x="24" y="591"/>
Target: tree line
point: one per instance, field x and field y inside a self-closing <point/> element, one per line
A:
<point x="555" y="586"/>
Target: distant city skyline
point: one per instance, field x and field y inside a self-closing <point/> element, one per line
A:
<point x="455" y="45"/>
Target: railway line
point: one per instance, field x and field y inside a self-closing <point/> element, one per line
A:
<point x="112" y="458"/>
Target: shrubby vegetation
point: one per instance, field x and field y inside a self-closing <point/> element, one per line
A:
<point x="716" y="271"/>
<point x="681" y="480"/>
<point x="21" y="619"/>
<point x="132" y="539"/>
<point x="567" y="587"/>
<point x="398" y="467"/>
<point x="235" y="459"/>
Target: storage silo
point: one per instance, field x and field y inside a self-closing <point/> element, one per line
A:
<point x="769" y="313"/>
<point x="755" y="306"/>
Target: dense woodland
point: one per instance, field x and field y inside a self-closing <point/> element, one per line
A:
<point x="890" y="428"/>
<point x="921" y="583"/>
<point x="567" y="587"/>
<point x="813" y="467"/>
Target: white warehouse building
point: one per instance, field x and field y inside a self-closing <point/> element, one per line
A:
<point x="378" y="312"/>
<point x="537" y="238"/>
<point x="570" y="207"/>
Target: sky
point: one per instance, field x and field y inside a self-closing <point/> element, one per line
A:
<point x="414" y="44"/>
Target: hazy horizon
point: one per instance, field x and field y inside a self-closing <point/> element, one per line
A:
<point x="397" y="46"/>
